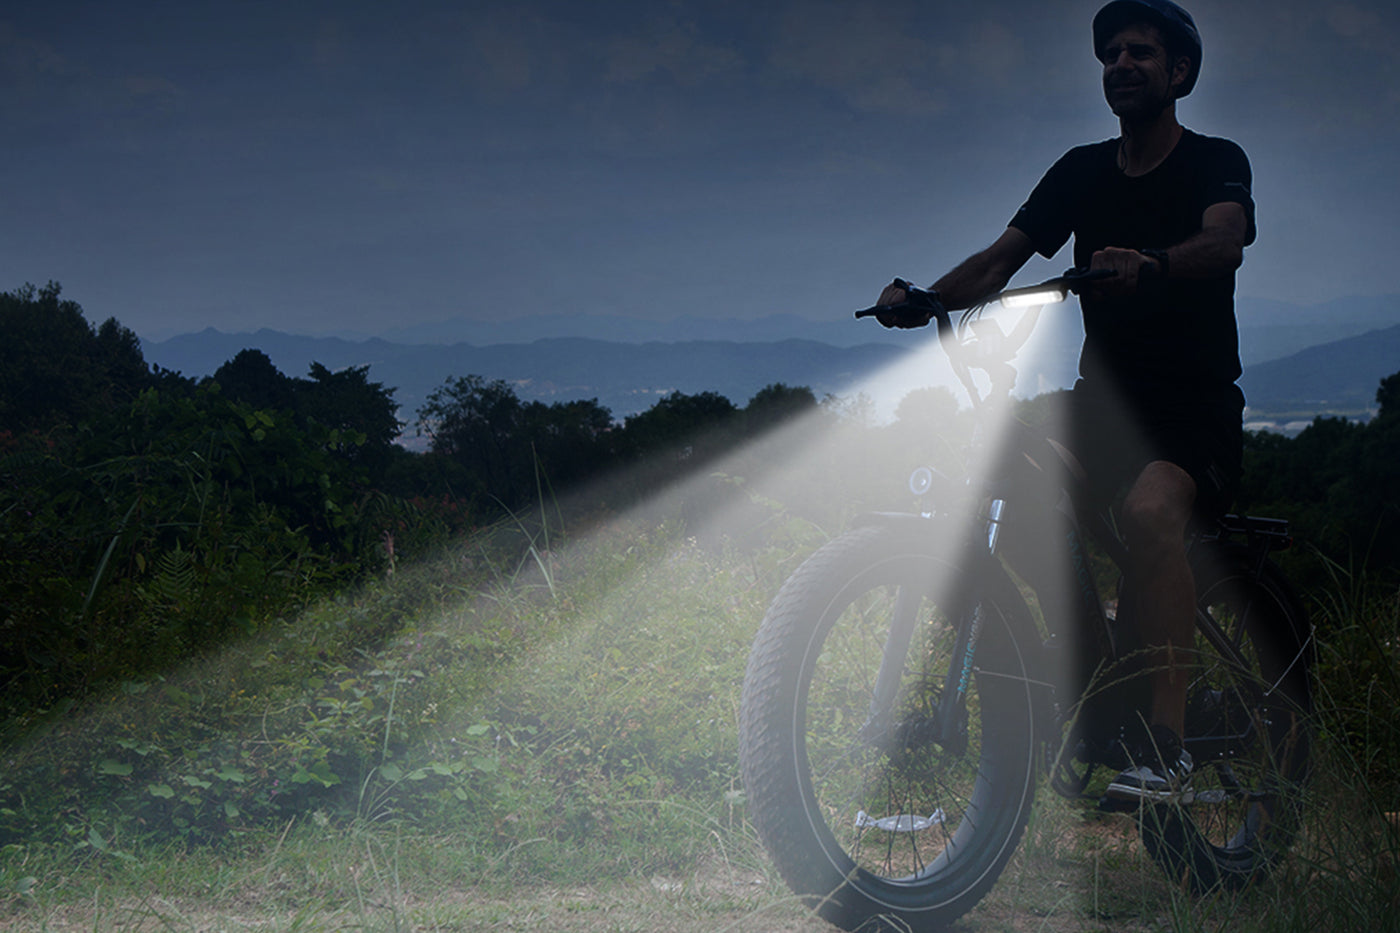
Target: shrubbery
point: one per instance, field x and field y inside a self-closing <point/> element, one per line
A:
<point x="226" y="603"/>
<point x="565" y="681"/>
<point x="180" y="520"/>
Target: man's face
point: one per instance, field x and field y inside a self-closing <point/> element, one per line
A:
<point x="1138" y="75"/>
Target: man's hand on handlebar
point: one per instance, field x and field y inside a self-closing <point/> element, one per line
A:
<point x="1126" y="269"/>
<point x="904" y="306"/>
<point x="893" y="293"/>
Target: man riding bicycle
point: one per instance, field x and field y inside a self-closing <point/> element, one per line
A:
<point x="1156" y="410"/>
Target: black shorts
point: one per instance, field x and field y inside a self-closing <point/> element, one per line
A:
<point x="1115" y="438"/>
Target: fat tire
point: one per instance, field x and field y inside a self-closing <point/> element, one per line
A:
<point x="807" y="837"/>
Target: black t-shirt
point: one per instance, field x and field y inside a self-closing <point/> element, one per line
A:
<point x="1178" y="341"/>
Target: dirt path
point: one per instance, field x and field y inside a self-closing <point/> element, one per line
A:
<point x="1075" y="872"/>
<point x="1096" y="881"/>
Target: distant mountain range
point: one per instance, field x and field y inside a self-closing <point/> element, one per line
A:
<point x="1268" y="329"/>
<point x="1272" y="330"/>
<point x="625" y="377"/>
<point x="628" y="376"/>
<point x="1339" y="377"/>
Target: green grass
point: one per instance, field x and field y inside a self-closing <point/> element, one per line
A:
<point x="515" y="736"/>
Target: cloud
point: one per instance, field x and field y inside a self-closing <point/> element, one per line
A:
<point x="534" y="49"/>
<point x="862" y="51"/>
<point x="330" y="46"/>
<point x="1327" y="71"/>
<point x="1364" y="27"/>
<point x="506" y="55"/>
<point x="24" y="57"/>
<point x="990" y="52"/>
<point x="1376" y="36"/>
<point x="152" y="90"/>
<point x="498" y="51"/>
<point x="34" y="75"/>
<point x="52" y="96"/>
<point x="912" y="60"/>
<point x="674" y="48"/>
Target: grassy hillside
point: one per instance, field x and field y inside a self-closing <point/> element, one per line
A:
<point x="548" y="740"/>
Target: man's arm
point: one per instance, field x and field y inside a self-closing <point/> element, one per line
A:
<point x="985" y="273"/>
<point x="979" y="275"/>
<point x="1217" y="249"/>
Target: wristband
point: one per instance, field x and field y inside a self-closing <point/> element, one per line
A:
<point x="1158" y="256"/>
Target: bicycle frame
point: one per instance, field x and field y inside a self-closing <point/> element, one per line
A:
<point x="988" y="534"/>
<point x="904" y="695"/>
<point x="1030" y="474"/>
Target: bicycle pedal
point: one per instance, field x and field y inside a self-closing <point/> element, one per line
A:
<point x="1115" y="805"/>
<point x="1126" y="805"/>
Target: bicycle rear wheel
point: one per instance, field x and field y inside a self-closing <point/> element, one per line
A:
<point x="1249" y="708"/>
<point x="868" y="812"/>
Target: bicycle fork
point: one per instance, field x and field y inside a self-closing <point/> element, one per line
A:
<point x="952" y="711"/>
<point x="950" y="723"/>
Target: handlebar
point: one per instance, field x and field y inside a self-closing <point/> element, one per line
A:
<point x="922" y="305"/>
<point x="925" y="302"/>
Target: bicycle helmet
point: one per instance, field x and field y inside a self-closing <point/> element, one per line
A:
<point x="1177" y="26"/>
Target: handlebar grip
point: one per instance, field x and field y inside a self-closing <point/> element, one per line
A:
<point x="921" y="305"/>
<point x="1076" y="277"/>
<point x="903" y="315"/>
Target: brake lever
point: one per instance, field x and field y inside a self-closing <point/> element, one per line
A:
<point x="919" y="308"/>
<point x="896" y="309"/>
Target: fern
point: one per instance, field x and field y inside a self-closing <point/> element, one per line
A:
<point x="174" y="580"/>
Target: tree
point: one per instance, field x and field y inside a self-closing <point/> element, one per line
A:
<point x="932" y="408"/>
<point x="252" y="378"/>
<point x="1388" y="396"/>
<point x="476" y="424"/>
<point x="685" y="427"/>
<point x="503" y="451"/>
<point x="1377" y="482"/>
<point x="1337" y="481"/>
<point x="776" y="403"/>
<point x="55" y="369"/>
<point x="362" y="413"/>
<point x="568" y="440"/>
<point x="177" y="521"/>
<point x="348" y="401"/>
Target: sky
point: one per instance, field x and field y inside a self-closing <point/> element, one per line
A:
<point x="352" y="167"/>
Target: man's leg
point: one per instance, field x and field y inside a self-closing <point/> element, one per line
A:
<point x="1159" y="584"/>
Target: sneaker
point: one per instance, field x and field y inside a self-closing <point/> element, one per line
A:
<point x="1160" y="770"/>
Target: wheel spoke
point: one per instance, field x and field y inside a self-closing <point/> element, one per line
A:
<point x="899" y="781"/>
<point x="863" y="808"/>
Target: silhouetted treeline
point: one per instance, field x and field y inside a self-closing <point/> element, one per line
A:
<point x="55" y="367"/>
<point x="145" y="516"/>
<point x="497" y="452"/>
<point x="1339" y="483"/>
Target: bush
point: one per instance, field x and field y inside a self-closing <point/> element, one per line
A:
<point x="188" y="520"/>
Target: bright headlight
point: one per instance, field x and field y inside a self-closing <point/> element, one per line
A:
<point x="1032" y="295"/>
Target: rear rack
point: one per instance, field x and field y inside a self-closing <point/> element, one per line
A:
<point x="1272" y="533"/>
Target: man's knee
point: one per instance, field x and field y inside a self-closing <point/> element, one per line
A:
<point x="1158" y="507"/>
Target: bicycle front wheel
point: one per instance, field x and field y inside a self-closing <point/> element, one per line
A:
<point x="880" y="812"/>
